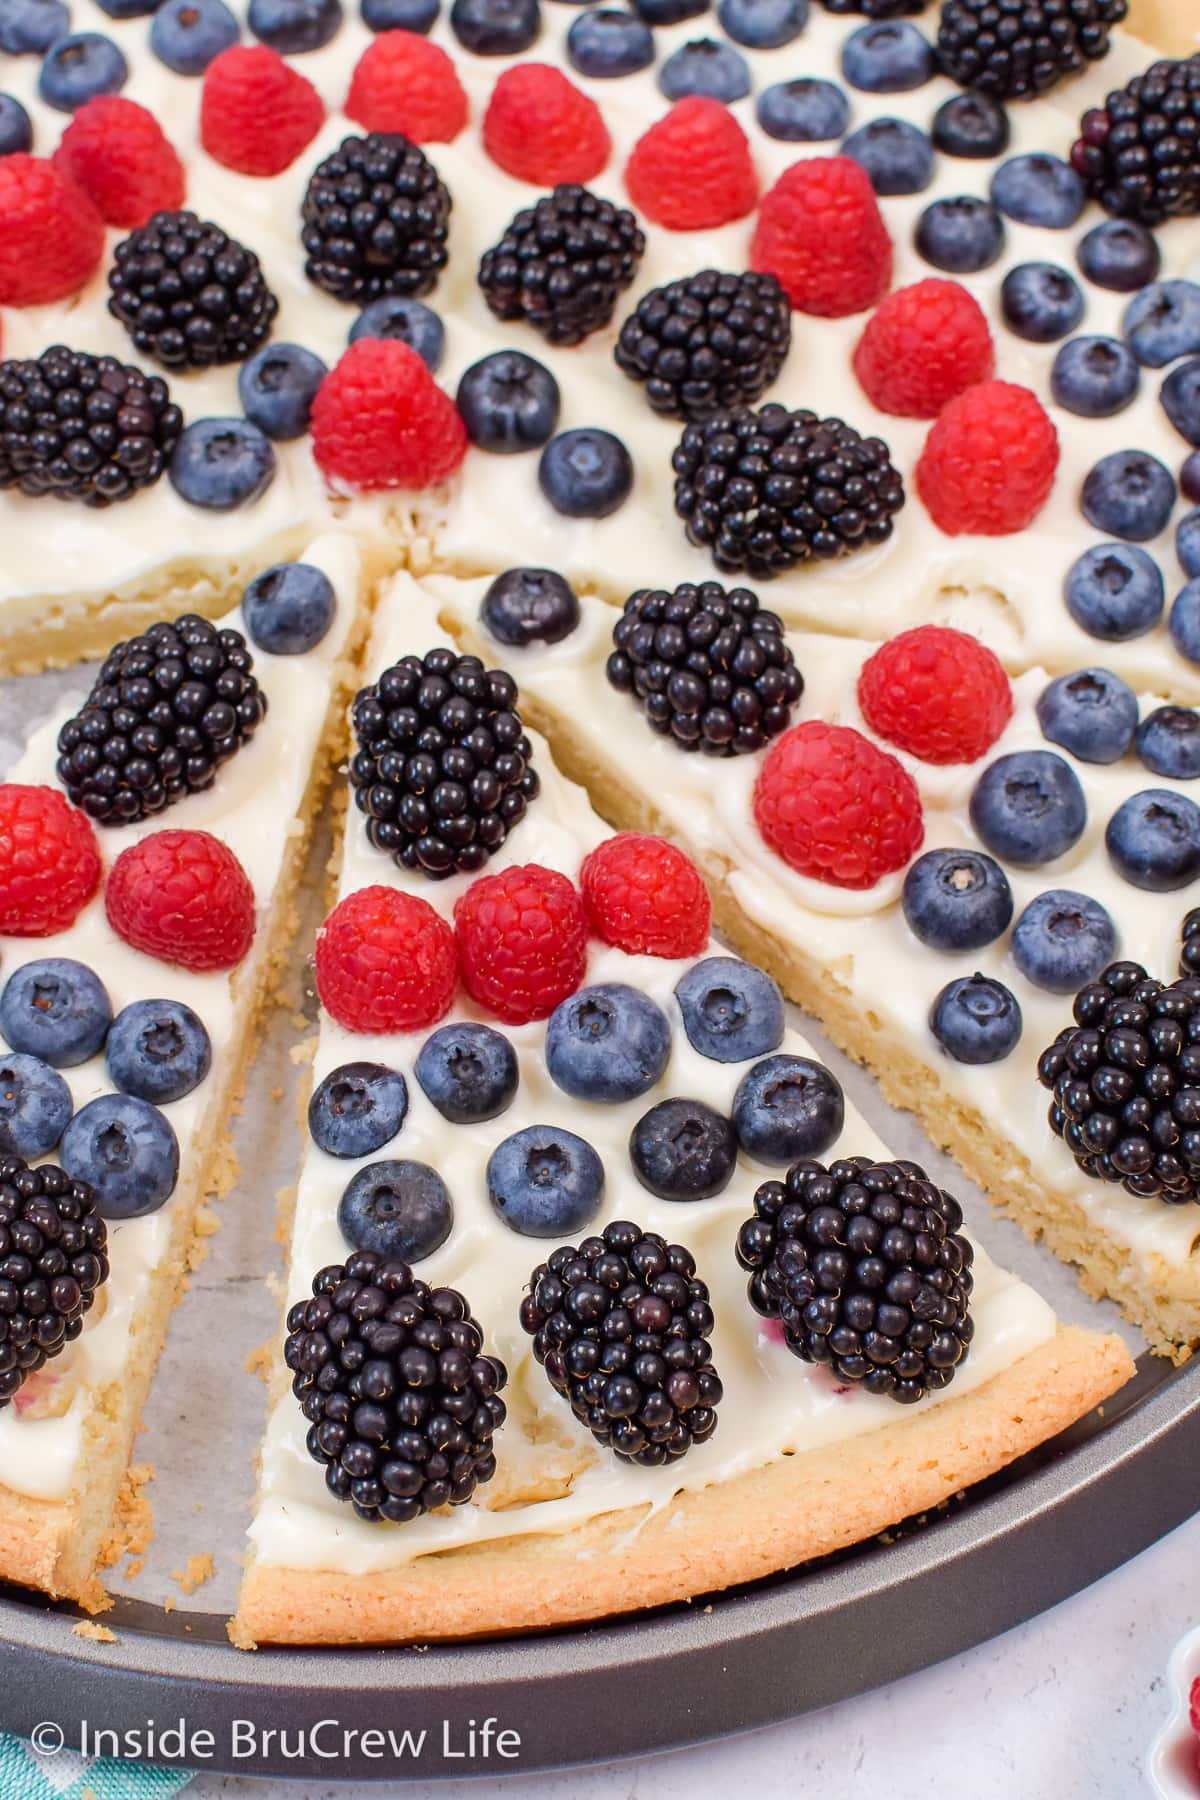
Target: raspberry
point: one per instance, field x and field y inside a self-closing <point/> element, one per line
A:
<point x="989" y="461"/>
<point x="821" y="234"/>
<point x="49" y="861"/>
<point x="380" y="420"/>
<point x="645" y="896"/>
<point x="837" y="808"/>
<point x="1194" y="1715"/>
<point x="939" y="694"/>
<point x="385" y="961"/>
<point x="257" y="113"/>
<point x="404" y="83"/>
<point x="540" y="128"/>
<point x="183" y="897"/>
<point x="117" y="153"/>
<point x="692" y="170"/>
<point x="51" y="236"/>
<point x="522" y="942"/>
<point x="925" y="345"/>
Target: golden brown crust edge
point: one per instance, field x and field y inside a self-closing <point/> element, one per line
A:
<point x="1170" y="25"/>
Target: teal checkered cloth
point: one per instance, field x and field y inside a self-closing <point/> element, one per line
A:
<point x="26" y="1775"/>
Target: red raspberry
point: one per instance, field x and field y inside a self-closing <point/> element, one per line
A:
<point x="51" y="236"/>
<point x="821" y="234"/>
<point x="937" y="693"/>
<point x="183" y="897"/>
<point x="924" y="346"/>
<point x="692" y="170"/>
<point x="522" y="942"/>
<point x="989" y="461"/>
<point x="385" y="961"/>
<point x="836" y="807"/>
<point x="1194" y="1715"/>
<point x="645" y="896"/>
<point x="540" y="128"/>
<point x="381" y="421"/>
<point x="257" y="112"/>
<point x="404" y="83"/>
<point x="117" y="153"/>
<point x="49" y="861"/>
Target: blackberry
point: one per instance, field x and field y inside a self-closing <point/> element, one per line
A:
<point x="442" y="769"/>
<point x="401" y="1401"/>
<point x="707" y="343"/>
<point x="1139" y="153"/>
<point x="1125" y="1080"/>
<point x="52" y="1261"/>
<point x="562" y="263"/>
<point x="621" y="1326"/>
<point x="1014" y="49"/>
<point x="707" y="666"/>
<point x="83" y="427"/>
<point x="168" y="708"/>
<point x="1189" y="955"/>
<point x="375" y="219"/>
<point x="864" y="1265"/>
<point x="188" y="294"/>
<point x="765" y="490"/>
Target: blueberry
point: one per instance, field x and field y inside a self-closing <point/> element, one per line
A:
<point x="586" y="473"/>
<point x="468" y="1072"/>
<point x="357" y="1109"/>
<point x="508" y="402"/>
<point x="294" y="26"/>
<point x="972" y="125"/>
<point x="222" y="463"/>
<point x="29" y="27"/>
<point x="1168" y="742"/>
<point x="788" y="1106"/>
<point x="545" y="1182"/>
<point x="16" y="131"/>
<point x="529" y="606"/>
<point x="1092" y="713"/>
<point x="670" y="12"/>
<point x="1180" y="396"/>
<point x="957" y="900"/>
<point x="126" y="1150"/>
<point x="288" y="609"/>
<point x="1189" y="483"/>
<point x="1028" y="807"/>
<point x="56" y="1009"/>
<point x="1063" y="940"/>
<point x="396" y="1209"/>
<point x="188" y="34"/>
<point x="127" y="9"/>
<point x="888" y="57"/>
<point x="80" y="67"/>
<point x="1153" y="840"/>
<point x="896" y="155"/>
<point x="409" y="322"/>
<point x="496" y="27"/>
<point x="277" y="388"/>
<point x="683" y="1150"/>
<point x="1115" y="592"/>
<point x="1162" y="323"/>
<point x="976" y="1020"/>
<point x="731" y="1010"/>
<point x="1184" y="621"/>
<point x="1095" y="377"/>
<point x="607" y="1043"/>
<point x="716" y="71"/>
<point x="763" y="24"/>
<point x="1120" y="255"/>
<point x="35" y="1106"/>
<point x="804" y="111"/>
<point x="961" y="236"/>
<point x="1129" y="493"/>
<point x="1187" y="542"/>
<point x="1041" y="302"/>
<point x="157" y="1050"/>
<point x="1039" y="190"/>
<point x="400" y="15"/>
<point x="605" y="42"/>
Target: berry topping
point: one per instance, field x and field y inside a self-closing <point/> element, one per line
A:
<point x="691" y="171"/>
<point x="126" y="1151"/>
<point x="1184" y="621"/>
<point x="221" y="464"/>
<point x="1022" y="47"/>
<point x="16" y="128"/>
<point x="1189" y="956"/>
<point x="51" y="236"/>
<point x="277" y="387"/>
<point x="403" y="83"/>
<point x="385" y="962"/>
<point x="117" y="153"/>
<point x="508" y="402"/>
<point x="681" y="1150"/>
<point x="53" y="1259"/>
<point x="357" y="1109"/>
<point x="522" y="942"/>
<point x="763" y="24"/>
<point x="396" y="1209"/>
<point x="468" y="1072"/>
<point x="1129" y="494"/>
<point x="540" y="128"/>
<point x="705" y="67"/>
<point x="925" y="345"/>
<point x="586" y="473"/>
<point x="496" y="27"/>
<point x="408" y="321"/>
<point x="787" y="1106"/>
<point x="1163" y="322"/>
<point x="645" y="896"/>
<point x="1028" y="807"/>
<point x="669" y="12"/>
<point x="49" y="861"/>
<point x="606" y="43"/>
<point x="1041" y="302"/>
<point x="989" y="461"/>
<point x="891" y="57"/>
<point x="78" y="68"/>
<point x="1119" y="254"/>
<point x="380" y="420"/>
<point x="973" y="125"/>
<point x="1153" y="840"/>
<point x="1062" y="940"/>
<point x="1168" y="742"/>
<point x="529" y="606"/>
<point x="1040" y="190"/>
<point x="35" y="1106"/>
<point x="1180" y="398"/>
<point x="55" y="1009"/>
<point x="806" y="110"/>
<point x="1139" y="154"/>
<point x="157" y="1050"/>
<point x="562" y="264"/>
<point x="29" y="27"/>
<point x="937" y="693"/>
<point x="821" y="234"/>
<point x="375" y="219"/>
<point x="731" y="1010"/>
<point x="835" y="807"/>
<point x="957" y="900"/>
<point x="294" y="26"/>
<point x="707" y="342"/>
<point x="897" y="156"/>
<point x="607" y="1043"/>
<point x="976" y="1020"/>
<point x="83" y="427"/>
<point x="960" y="235"/>
<point x="184" y="897"/>
<point x="188" y="295"/>
<point x="257" y="113"/>
<point x="1115" y="592"/>
<point x="544" y="1182"/>
<point x="187" y="35"/>
<point x="288" y="609"/>
<point x="1093" y="714"/>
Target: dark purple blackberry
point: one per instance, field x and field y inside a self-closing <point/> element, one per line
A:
<point x="562" y="263"/>
<point x="864" y="1266"/>
<point x="401" y="1401"/>
<point x="1125" y="1080"/>
<point x="1189" y="955"/>
<point x="765" y="490"/>
<point x="375" y="220"/>
<point x="168" y="708"/>
<point x="52" y="1261"/>
<point x="877" y="9"/>
<point x="621" y="1327"/>
<point x="707" y="666"/>
<point x="442" y="770"/>
<point x="1139" y="153"/>
<point x="1014" y="49"/>
<point x="707" y="343"/>
<point x="83" y="427"/>
<point x="188" y="294"/>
